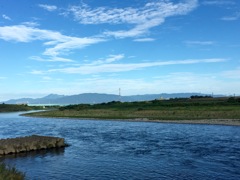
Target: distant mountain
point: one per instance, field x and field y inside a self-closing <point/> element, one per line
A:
<point x="95" y="98"/>
<point x="53" y="96"/>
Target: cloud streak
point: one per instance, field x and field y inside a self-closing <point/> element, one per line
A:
<point x="144" y="40"/>
<point x="202" y="43"/>
<point x="142" y="19"/>
<point x="118" y="67"/>
<point x="51" y="59"/>
<point x="218" y="2"/>
<point x="109" y="59"/>
<point x="234" y="17"/>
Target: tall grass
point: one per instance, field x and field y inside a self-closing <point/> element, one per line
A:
<point x="10" y="173"/>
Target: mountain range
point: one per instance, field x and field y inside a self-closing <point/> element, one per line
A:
<point x="95" y="98"/>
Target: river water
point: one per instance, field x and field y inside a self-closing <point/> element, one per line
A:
<point x="126" y="150"/>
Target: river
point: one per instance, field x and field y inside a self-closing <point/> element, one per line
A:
<point x="126" y="150"/>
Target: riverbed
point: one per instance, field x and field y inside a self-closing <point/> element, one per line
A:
<point x="126" y="150"/>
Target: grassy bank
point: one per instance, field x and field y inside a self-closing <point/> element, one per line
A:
<point x="10" y="173"/>
<point x="174" y="109"/>
<point x="18" y="107"/>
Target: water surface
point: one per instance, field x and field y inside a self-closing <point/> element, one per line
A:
<point x="126" y="150"/>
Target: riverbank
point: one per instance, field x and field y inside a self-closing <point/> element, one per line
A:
<point x="230" y="122"/>
<point x="224" y="111"/>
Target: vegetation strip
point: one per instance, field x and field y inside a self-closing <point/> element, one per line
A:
<point x="18" y="107"/>
<point x="29" y="143"/>
<point x="201" y="110"/>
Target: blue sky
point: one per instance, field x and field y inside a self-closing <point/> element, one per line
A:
<point x="143" y="47"/>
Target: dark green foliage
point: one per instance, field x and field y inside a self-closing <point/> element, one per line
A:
<point x="234" y="100"/>
<point x="75" y="107"/>
<point x="197" y="97"/>
<point x="10" y="173"/>
<point x="196" y="101"/>
<point x="17" y="107"/>
<point x="172" y="109"/>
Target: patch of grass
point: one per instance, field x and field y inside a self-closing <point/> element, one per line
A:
<point x="18" y="107"/>
<point x="173" y="109"/>
<point x="10" y="173"/>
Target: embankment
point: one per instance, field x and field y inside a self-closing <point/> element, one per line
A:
<point x="29" y="143"/>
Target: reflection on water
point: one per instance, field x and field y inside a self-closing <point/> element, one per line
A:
<point x="39" y="153"/>
<point x="126" y="150"/>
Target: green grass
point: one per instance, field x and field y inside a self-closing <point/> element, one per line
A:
<point x="173" y="109"/>
<point x="17" y="107"/>
<point x="10" y="173"/>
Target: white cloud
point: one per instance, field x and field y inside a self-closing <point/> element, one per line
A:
<point x="109" y="59"/>
<point x="233" y="74"/>
<point x="144" y="40"/>
<point x="203" y="43"/>
<point x="48" y="7"/>
<point x="192" y="82"/>
<point x="169" y="83"/>
<point x="235" y="17"/>
<point x="22" y="33"/>
<point x="30" y="23"/>
<point x="151" y="15"/>
<point x="37" y="72"/>
<point x="218" y="2"/>
<point x="46" y="78"/>
<point x="4" y="16"/>
<point x="117" y="67"/>
<point x="59" y="42"/>
<point x="51" y="59"/>
<point x="70" y="43"/>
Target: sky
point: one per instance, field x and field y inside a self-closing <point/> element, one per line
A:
<point x="98" y="46"/>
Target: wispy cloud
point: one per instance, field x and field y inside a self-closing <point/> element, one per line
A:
<point x="144" y="40"/>
<point x="202" y="43"/>
<point x="70" y="43"/>
<point x="46" y="78"/>
<point x="51" y="59"/>
<point x="4" y="16"/>
<point x="48" y="7"/>
<point x="142" y="19"/>
<point x="59" y="43"/>
<point x="234" y="17"/>
<point x="218" y="2"/>
<point x="38" y="72"/>
<point x="30" y="23"/>
<point x="174" y="82"/>
<point x="109" y="59"/>
<point x="119" y="67"/>
<point x="2" y="78"/>
<point x="233" y="74"/>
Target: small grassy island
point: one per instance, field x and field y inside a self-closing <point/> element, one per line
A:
<point x="29" y="143"/>
<point x="197" y="109"/>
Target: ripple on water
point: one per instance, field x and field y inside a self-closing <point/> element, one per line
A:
<point x="126" y="150"/>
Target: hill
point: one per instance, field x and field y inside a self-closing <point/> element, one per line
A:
<point x="96" y="98"/>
